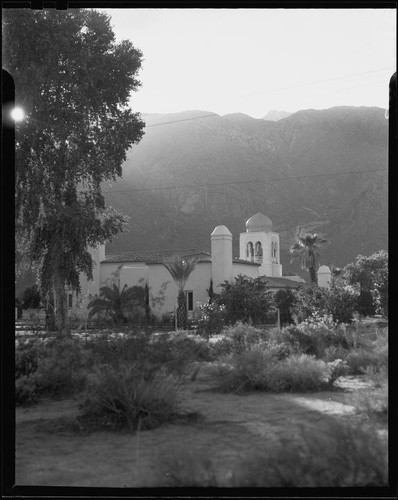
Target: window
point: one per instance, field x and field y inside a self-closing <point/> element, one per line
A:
<point x="274" y="251"/>
<point x="70" y="300"/>
<point x="189" y="299"/>
<point x="250" y="251"/>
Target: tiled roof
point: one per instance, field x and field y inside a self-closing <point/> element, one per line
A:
<point x="156" y="256"/>
<point x="282" y="282"/>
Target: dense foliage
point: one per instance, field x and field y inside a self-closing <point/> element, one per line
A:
<point x="370" y="275"/>
<point x="117" y="304"/>
<point x="285" y="300"/>
<point x="73" y="82"/>
<point x="246" y="299"/>
<point x="338" y="301"/>
<point x="30" y="297"/>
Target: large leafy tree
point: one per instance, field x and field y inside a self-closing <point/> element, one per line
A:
<point x="370" y="274"/>
<point x="180" y="270"/>
<point x="74" y="82"/>
<point x="246" y="299"/>
<point x="306" y="248"/>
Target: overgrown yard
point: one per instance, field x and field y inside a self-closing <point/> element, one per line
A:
<point x="194" y="450"/>
<point x="177" y="415"/>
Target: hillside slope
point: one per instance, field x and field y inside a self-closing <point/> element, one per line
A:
<point x="195" y="170"/>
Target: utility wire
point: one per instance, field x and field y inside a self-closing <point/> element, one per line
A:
<point x="305" y="84"/>
<point x="255" y="181"/>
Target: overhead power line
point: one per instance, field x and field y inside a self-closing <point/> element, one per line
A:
<point x="254" y="181"/>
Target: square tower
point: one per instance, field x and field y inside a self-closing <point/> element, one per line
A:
<point x="260" y="244"/>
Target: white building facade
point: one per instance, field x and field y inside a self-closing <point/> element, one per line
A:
<point x="259" y="255"/>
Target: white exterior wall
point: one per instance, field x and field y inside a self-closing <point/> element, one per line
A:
<point x="160" y="279"/>
<point x="324" y="277"/>
<point x="129" y="273"/>
<point x="251" y="271"/>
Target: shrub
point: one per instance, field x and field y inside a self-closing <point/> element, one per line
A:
<point x="26" y="357"/>
<point x="299" y="373"/>
<point x="53" y="367"/>
<point x="61" y="368"/>
<point x="315" y="335"/>
<point x="308" y="301"/>
<point x="242" y="336"/>
<point x="259" y="369"/>
<point x="337" y="454"/>
<point x="246" y="299"/>
<point x="210" y="319"/>
<point x="362" y="360"/>
<point x="245" y="371"/>
<point x="333" y="353"/>
<point x="339" y="302"/>
<point x="31" y="297"/>
<point x="27" y="391"/>
<point x="284" y="301"/>
<point x="124" y="396"/>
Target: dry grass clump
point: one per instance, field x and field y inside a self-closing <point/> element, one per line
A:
<point x="124" y="396"/>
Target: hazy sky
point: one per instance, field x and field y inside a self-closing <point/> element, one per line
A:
<point x="255" y="60"/>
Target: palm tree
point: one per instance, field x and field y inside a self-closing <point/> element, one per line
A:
<point x="180" y="270"/>
<point x="306" y="247"/>
<point x="335" y="272"/>
<point x="114" y="302"/>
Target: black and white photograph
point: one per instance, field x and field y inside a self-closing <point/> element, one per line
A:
<point x="201" y="246"/>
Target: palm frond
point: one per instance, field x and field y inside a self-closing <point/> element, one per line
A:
<point x="180" y="269"/>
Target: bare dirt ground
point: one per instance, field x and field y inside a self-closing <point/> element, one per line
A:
<point x="231" y="426"/>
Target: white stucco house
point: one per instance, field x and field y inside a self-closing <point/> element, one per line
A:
<point x="259" y="255"/>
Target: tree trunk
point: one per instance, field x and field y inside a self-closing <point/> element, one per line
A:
<point x="61" y="310"/>
<point x="182" y="311"/>
<point x="313" y="276"/>
<point x="50" y="316"/>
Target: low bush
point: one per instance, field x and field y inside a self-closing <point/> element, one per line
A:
<point x="337" y="454"/>
<point x="61" y="370"/>
<point x="242" y="336"/>
<point x="245" y="371"/>
<point x="26" y="357"/>
<point x="299" y="373"/>
<point x="315" y="335"/>
<point x="259" y="369"/>
<point x="50" y="367"/>
<point x="361" y="361"/>
<point x="124" y="396"/>
<point x="333" y="353"/>
<point x="27" y="390"/>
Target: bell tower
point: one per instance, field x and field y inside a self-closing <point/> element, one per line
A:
<point x="261" y="244"/>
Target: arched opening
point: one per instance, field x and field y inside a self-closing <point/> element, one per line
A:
<point x="250" y="251"/>
<point x="274" y="251"/>
<point x="259" y="252"/>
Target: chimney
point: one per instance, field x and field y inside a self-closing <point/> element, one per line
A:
<point x="221" y="256"/>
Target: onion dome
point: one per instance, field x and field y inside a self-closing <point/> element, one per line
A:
<point x="258" y="222"/>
